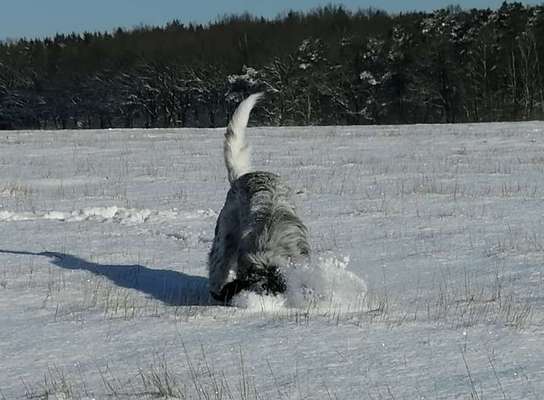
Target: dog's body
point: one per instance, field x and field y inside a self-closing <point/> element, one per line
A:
<point x="258" y="232"/>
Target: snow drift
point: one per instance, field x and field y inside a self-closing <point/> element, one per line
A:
<point x="324" y="285"/>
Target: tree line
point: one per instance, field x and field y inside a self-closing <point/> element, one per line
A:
<point x="329" y="66"/>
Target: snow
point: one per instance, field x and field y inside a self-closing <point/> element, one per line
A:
<point x="425" y="281"/>
<point x="325" y="285"/>
<point x="101" y="214"/>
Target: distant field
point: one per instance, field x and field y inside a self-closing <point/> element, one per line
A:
<point x="103" y="244"/>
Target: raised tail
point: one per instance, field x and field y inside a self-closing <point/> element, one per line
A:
<point x="236" y="149"/>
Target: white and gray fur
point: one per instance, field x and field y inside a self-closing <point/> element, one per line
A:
<point x="258" y="233"/>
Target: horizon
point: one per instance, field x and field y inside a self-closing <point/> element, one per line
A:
<point x="25" y="21"/>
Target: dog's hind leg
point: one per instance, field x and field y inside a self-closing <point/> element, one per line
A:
<point x="222" y="260"/>
<point x="223" y="255"/>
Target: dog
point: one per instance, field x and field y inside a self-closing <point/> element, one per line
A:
<point x="258" y="233"/>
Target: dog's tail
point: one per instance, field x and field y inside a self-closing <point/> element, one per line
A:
<point x="236" y="149"/>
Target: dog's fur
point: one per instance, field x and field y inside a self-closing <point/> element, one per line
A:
<point x="258" y="233"/>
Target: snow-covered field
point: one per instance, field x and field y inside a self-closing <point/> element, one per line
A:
<point x="103" y="244"/>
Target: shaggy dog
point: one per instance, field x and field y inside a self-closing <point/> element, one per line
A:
<point x="258" y="232"/>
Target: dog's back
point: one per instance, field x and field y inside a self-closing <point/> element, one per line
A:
<point x="269" y="223"/>
<point x="258" y="232"/>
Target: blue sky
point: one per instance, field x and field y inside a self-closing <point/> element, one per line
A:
<point x="39" y="18"/>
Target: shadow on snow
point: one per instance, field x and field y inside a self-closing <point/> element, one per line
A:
<point x="171" y="287"/>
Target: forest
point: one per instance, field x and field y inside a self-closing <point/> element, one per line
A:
<point x="328" y="66"/>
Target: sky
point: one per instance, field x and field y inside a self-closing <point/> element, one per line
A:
<point x="40" y="18"/>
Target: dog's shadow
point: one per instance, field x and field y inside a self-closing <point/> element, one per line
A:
<point x="171" y="287"/>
